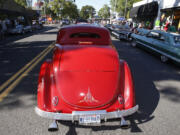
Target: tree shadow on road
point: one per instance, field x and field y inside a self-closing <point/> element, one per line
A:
<point x="16" y="58"/>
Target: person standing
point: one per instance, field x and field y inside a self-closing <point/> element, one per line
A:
<point x="4" y="27"/>
<point x="1" y="31"/>
<point x="171" y="28"/>
<point x="166" y="26"/>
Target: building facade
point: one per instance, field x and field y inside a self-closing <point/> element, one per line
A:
<point x="161" y="12"/>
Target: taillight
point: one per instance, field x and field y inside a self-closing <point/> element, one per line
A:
<point x="55" y="101"/>
<point x="120" y="99"/>
<point x="85" y="43"/>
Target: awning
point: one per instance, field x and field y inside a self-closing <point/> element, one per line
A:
<point x="10" y="12"/>
<point x="148" y="10"/>
<point x="134" y="12"/>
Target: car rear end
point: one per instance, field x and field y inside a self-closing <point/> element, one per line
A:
<point x="85" y="81"/>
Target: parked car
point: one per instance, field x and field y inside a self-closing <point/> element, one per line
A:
<point x="81" y="21"/>
<point x="138" y="33"/>
<point x="36" y="25"/>
<point x="108" y="26"/>
<point x="19" y="29"/>
<point x="122" y="32"/>
<point x="97" y="24"/>
<point x="85" y="81"/>
<point x="167" y="45"/>
<point x="28" y="28"/>
<point x="64" y="22"/>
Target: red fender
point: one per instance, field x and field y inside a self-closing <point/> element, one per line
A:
<point x="45" y="83"/>
<point x="128" y="85"/>
<point x="43" y="92"/>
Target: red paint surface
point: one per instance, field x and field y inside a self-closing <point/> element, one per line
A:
<point x="85" y="77"/>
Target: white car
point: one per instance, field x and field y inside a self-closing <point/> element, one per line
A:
<point x="27" y="28"/>
<point x="18" y="29"/>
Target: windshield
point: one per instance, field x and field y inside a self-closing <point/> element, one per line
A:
<point x="177" y="40"/>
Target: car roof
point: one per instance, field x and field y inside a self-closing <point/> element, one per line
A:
<point x="75" y="26"/>
<point x="64" y="35"/>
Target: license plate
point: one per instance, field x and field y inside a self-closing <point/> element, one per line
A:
<point x="86" y="119"/>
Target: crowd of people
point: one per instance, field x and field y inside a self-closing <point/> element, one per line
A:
<point x="7" y="25"/>
<point x="166" y="23"/>
<point x="167" y="26"/>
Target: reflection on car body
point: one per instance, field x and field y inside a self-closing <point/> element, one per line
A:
<point x="122" y="32"/>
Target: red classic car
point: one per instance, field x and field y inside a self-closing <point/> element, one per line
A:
<point x="85" y="81"/>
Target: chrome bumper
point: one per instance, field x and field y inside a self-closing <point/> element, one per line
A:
<point x="75" y="114"/>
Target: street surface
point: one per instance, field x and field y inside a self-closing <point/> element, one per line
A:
<point x="157" y="88"/>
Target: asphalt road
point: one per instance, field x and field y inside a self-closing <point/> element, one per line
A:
<point x="157" y="88"/>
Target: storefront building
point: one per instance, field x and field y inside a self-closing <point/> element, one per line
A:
<point x="13" y="11"/>
<point x="158" y="11"/>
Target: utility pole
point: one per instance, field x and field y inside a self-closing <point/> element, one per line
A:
<point x="115" y="5"/>
<point x="125" y="9"/>
<point x="45" y="9"/>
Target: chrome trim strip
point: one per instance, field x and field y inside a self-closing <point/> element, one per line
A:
<point x="89" y="112"/>
<point x="75" y="114"/>
<point x="115" y="33"/>
<point x="169" y="56"/>
<point x="58" y="45"/>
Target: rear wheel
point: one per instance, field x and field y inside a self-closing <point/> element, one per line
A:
<point x="164" y="58"/>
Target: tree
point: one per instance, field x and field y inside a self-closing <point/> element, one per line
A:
<point x="119" y="6"/>
<point x="62" y="9"/>
<point x="87" y="12"/>
<point x="70" y="10"/>
<point x="56" y="6"/>
<point x="21" y="2"/>
<point x="1" y="3"/>
<point x="104" y="12"/>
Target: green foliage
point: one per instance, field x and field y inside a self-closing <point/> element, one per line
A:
<point x="104" y="12"/>
<point x="87" y="12"/>
<point x="1" y="3"/>
<point x="56" y="6"/>
<point x="70" y="11"/>
<point x="46" y="10"/>
<point x="119" y="6"/>
<point x="62" y="9"/>
<point x="21" y="2"/>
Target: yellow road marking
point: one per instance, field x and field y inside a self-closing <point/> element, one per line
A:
<point x="16" y="82"/>
<point x="4" y="85"/>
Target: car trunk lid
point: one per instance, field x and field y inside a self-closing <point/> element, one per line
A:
<point x="88" y="76"/>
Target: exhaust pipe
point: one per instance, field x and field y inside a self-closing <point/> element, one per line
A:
<point x="53" y="126"/>
<point x="124" y="123"/>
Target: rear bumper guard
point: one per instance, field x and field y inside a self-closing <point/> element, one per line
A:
<point x="76" y="114"/>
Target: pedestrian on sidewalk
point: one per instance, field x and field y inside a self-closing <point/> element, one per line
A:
<point x="1" y="31"/>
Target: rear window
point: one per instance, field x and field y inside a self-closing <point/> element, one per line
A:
<point x="84" y="35"/>
<point x="177" y="39"/>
